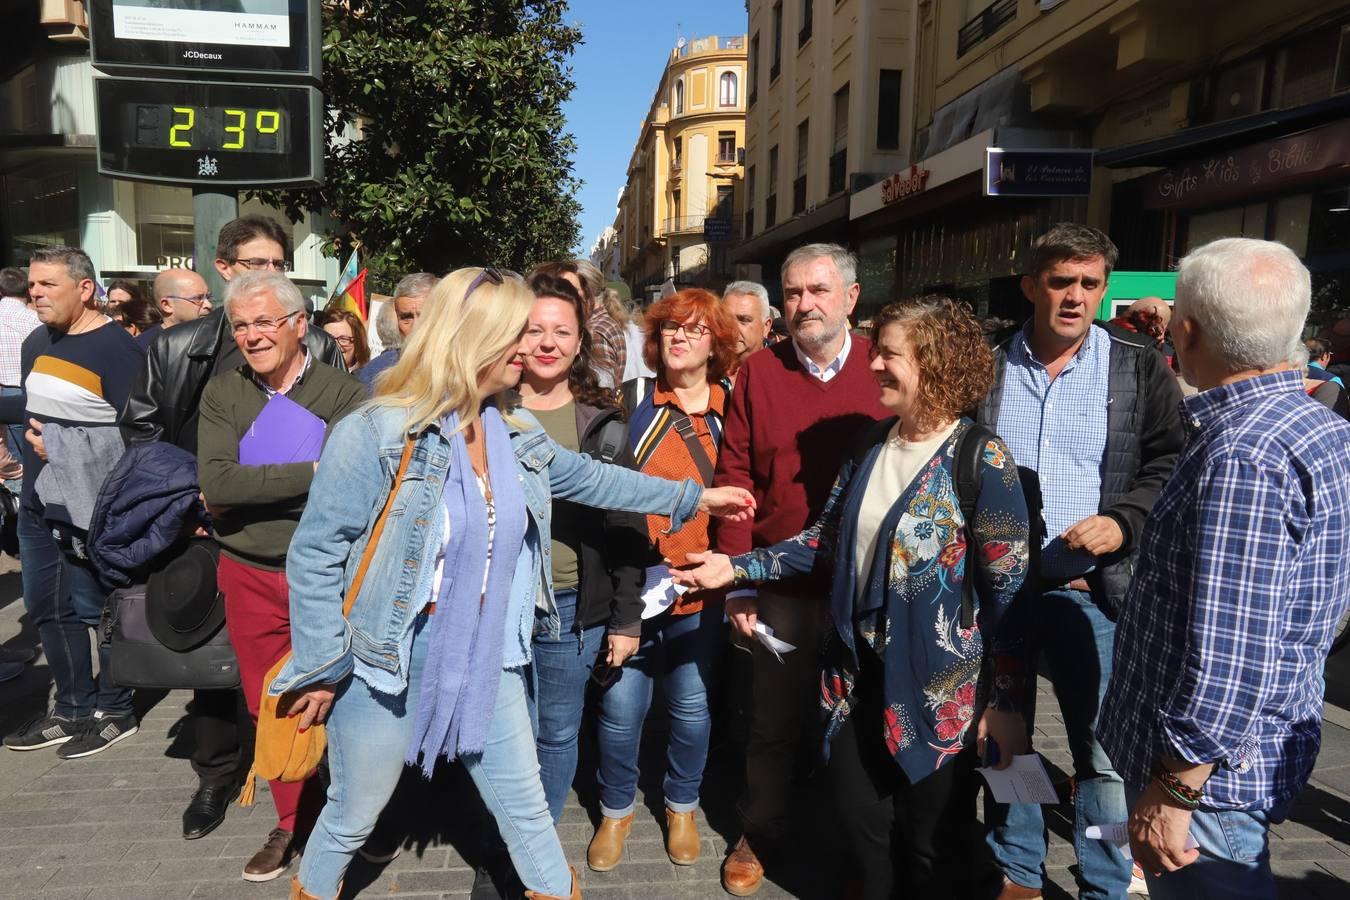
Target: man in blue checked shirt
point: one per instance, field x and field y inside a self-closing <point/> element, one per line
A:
<point x="1093" y="411"/>
<point x="1213" y="714"/>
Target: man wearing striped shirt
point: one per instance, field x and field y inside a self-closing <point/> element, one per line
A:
<point x="76" y="373"/>
<point x="1213" y="714"/>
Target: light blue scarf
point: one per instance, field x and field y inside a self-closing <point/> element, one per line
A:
<point x="464" y="661"/>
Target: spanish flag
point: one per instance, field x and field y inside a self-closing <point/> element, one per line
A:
<point x="353" y="297"/>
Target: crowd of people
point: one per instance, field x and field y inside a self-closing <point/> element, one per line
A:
<point x="534" y="507"/>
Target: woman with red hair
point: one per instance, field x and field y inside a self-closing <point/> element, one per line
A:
<point x="674" y="429"/>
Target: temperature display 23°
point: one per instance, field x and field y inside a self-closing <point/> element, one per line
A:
<point x="210" y="128"/>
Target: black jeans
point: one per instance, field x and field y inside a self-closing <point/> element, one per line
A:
<point x="222" y="729"/>
<point x="784" y="711"/>
<point x="910" y="839"/>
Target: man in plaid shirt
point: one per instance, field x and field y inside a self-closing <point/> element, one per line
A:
<point x="1213" y="713"/>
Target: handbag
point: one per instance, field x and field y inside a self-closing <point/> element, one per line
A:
<point x="136" y="659"/>
<point x="282" y="752"/>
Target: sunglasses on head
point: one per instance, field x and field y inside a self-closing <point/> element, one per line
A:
<point x="491" y="274"/>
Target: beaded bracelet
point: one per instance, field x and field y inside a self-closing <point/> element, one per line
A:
<point x="1184" y="795"/>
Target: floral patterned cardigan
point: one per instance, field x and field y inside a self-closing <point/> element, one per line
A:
<point x="909" y="614"/>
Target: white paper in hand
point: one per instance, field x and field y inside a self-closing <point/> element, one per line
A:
<point x="1024" y="781"/>
<point x="1119" y="834"/>
<point x="659" y="591"/>
<point x="764" y="634"/>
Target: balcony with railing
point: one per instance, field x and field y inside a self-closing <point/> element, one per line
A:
<point x="838" y="171"/>
<point x="799" y="195"/>
<point x="983" y="24"/>
<point x="709" y="44"/>
<point x="726" y="158"/>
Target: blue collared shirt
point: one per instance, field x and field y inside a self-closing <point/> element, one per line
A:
<point x="1242" y="578"/>
<point x="1058" y="429"/>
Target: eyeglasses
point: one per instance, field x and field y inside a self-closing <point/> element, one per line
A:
<point x="263" y="326"/>
<point x="492" y="274"/>
<point x="260" y="262"/>
<point x="692" y="332"/>
<point x="197" y="300"/>
<point x="343" y="340"/>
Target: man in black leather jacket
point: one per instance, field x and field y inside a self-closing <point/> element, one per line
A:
<point x="163" y="406"/>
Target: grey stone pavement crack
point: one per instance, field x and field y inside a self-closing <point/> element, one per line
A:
<point x="108" y="827"/>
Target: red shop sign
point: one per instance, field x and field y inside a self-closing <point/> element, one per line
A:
<point x="903" y="184"/>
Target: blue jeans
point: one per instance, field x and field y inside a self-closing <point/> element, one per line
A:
<point x="368" y="735"/>
<point x="683" y="652"/>
<point x="1077" y="639"/>
<point x="561" y="668"/>
<point x="64" y="600"/>
<point x="1234" y="862"/>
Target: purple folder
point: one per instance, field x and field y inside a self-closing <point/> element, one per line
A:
<point x="284" y="432"/>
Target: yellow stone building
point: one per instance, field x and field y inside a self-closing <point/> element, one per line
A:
<point x="680" y="209"/>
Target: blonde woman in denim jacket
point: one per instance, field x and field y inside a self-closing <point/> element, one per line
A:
<point x="430" y="662"/>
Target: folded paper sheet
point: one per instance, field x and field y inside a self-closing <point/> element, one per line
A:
<point x="1024" y="781"/>
<point x="284" y="432"/>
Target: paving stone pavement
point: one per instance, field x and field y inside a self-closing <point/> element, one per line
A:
<point x="108" y="827"/>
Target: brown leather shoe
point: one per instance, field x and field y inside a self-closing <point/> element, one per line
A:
<point x="742" y="872"/>
<point x="576" y="885"/>
<point x="682" y="842"/>
<point x="606" y="847"/>
<point x="1014" y="891"/>
<point x="274" y="857"/>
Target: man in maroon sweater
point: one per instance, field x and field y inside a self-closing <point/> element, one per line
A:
<point x="794" y="414"/>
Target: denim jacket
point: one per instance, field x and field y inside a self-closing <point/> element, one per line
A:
<point x="359" y="463"/>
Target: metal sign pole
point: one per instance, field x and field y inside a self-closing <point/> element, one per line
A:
<point x="211" y="209"/>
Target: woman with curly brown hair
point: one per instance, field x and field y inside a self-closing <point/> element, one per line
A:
<point x="674" y="431"/>
<point x="907" y="674"/>
<point x="597" y="555"/>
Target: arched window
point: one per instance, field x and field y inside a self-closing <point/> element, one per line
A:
<point x="726" y="89"/>
<point x="679" y="97"/>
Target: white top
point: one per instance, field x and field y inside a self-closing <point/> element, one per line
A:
<point x="834" y="368"/>
<point x="897" y="465"/>
<point x="438" y="573"/>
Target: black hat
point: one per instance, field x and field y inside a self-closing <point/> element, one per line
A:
<point x="183" y="607"/>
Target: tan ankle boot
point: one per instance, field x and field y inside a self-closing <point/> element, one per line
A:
<point x="299" y="893"/>
<point x="682" y="842"/>
<point x="606" y="847"/>
<point x="576" y="885"/>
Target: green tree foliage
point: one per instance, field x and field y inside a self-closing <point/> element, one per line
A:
<point x="458" y="154"/>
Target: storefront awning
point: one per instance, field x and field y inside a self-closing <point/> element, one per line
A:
<point x="1221" y="135"/>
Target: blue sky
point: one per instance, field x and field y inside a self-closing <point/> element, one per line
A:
<point x="616" y="69"/>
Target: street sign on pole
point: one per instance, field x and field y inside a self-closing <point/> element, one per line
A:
<point x="1037" y="173"/>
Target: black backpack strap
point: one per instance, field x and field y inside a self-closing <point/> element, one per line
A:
<point x="612" y="435"/>
<point x="685" y="428"/>
<point x="969" y="456"/>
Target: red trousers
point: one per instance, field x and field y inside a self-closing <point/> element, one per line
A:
<point x="258" y="618"/>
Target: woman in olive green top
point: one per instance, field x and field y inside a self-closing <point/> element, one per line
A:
<point x="598" y="557"/>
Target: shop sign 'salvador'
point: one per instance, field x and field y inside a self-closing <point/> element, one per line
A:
<point x="904" y="184"/>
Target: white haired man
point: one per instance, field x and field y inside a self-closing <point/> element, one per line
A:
<point x="409" y="295"/>
<point x="1213" y="713"/>
<point x="257" y="503"/>
<point x="748" y="302"/>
